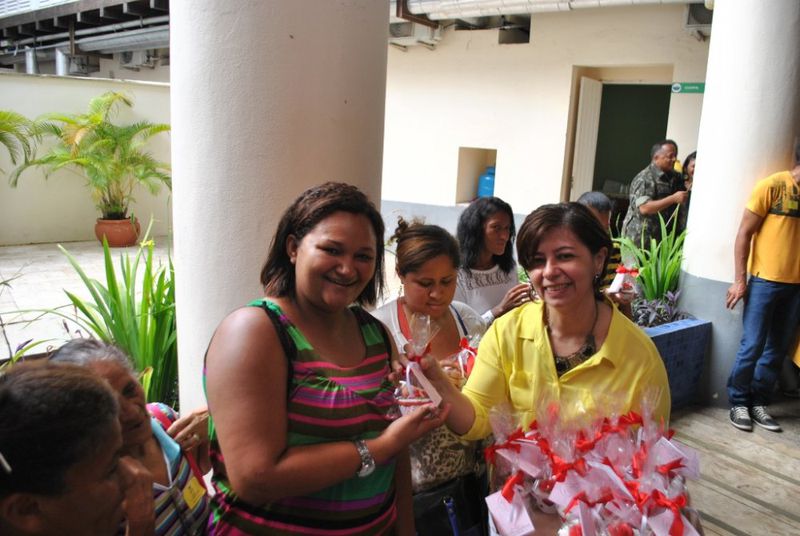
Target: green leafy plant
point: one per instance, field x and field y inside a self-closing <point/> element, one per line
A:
<point x="15" y="136"/>
<point x="139" y="319"/>
<point x="659" y="262"/>
<point x="110" y="157"/>
<point x="659" y="266"/>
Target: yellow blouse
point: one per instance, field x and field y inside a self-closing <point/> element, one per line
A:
<point x="515" y="366"/>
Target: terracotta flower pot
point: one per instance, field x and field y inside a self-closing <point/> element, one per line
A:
<point x="119" y="233"/>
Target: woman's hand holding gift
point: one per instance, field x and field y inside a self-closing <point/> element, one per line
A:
<point x="406" y="430"/>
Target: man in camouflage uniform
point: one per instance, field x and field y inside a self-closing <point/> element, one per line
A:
<point x="655" y="190"/>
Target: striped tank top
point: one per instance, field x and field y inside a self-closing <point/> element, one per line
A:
<point x="181" y="508"/>
<point x="326" y="403"/>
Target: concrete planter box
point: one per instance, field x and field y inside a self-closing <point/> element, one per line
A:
<point x="683" y="346"/>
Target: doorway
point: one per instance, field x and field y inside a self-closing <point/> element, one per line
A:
<point x="616" y="115"/>
<point x="632" y="119"/>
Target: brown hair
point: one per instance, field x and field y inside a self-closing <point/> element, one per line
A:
<point x="573" y="216"/>
<point x="418" y="242"/>
<point x="311" y="207"/>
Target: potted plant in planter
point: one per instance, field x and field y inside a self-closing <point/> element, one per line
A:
<point x="681" y="339"/>
<point x="111" y="158"/>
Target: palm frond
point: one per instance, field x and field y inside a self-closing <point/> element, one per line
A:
<point x="111" y="157"/>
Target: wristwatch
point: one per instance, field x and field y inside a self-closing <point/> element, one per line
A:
<point x="367" y="461"/>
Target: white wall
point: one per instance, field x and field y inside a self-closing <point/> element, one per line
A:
<point x="472" y="92"/>
<point x="59" y="209"/>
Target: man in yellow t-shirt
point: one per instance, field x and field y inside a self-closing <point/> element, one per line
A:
<point x="771" y="221"/>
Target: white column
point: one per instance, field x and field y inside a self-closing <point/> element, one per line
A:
<point x="268" y="99"/>
<point x="748" y="124"/>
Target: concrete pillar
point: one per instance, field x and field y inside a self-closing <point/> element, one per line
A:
<point x="748" y="124"/>
<point x="267" y="99"/>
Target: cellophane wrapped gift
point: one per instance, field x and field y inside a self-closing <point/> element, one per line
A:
<point x="624" y="280"/>
<point x="415" y="390"/>
<point x="612" y="476"/>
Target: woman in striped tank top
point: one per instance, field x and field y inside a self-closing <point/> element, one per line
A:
<point x="302" y="438"/>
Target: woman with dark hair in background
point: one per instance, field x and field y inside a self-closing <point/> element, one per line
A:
<point x="487" y="280"/>
<point x="688" y="171"/>
<point x="442" y="466"/>
<point x="60" y="466"/>
<point x="302" y="441"/>
<point x="181" y="502"/>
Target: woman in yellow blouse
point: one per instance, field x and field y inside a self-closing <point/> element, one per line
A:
<point x="570" y="346"/>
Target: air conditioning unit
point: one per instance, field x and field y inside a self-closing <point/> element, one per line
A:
<point x="135" y="59"/>
<point x="698" y="19"/>
<point x="83" y="65"/>
<point x="407" y="34"/>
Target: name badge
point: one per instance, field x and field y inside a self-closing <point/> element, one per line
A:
<point x="193" y="492"/>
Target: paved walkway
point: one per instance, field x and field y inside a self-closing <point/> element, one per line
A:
<point x="38" y="276"/>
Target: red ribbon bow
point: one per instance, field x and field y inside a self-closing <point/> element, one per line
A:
<point x="417" y="358"/>
<point x="639" y="497"/>
<point x="584" y="444"/>
<point x="508" y="488"/>
<point x="582" y="497"/>
<point x="622" y="269"/>
<point x="667" y="468"/>
<point x="511" y="444"/>
<point x="561" y="468"/>
<point x="464" y="345"/>
<point x="639" y="457"/>
<point x="675" y="505"/>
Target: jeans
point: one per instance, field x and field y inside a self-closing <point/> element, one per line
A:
<point x="771" y="312"/>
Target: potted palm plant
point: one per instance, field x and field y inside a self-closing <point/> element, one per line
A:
<point x="110" y="157"/>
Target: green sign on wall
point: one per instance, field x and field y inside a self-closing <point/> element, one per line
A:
<point x="689" y="87"/>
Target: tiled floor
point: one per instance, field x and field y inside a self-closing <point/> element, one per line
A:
<point x="38" y="276"/>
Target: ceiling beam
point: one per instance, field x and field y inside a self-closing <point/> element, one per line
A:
<point x="160" y="5"/>
<point x="91" y="16"/>
<point x="136" y="8"/>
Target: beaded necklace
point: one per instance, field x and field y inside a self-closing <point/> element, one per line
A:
<point x="568" y="362"/>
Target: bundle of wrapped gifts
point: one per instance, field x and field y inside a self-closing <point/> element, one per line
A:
<point x="621" y="475"/>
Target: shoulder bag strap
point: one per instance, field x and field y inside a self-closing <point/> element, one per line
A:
<point x="464" y="332"/>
